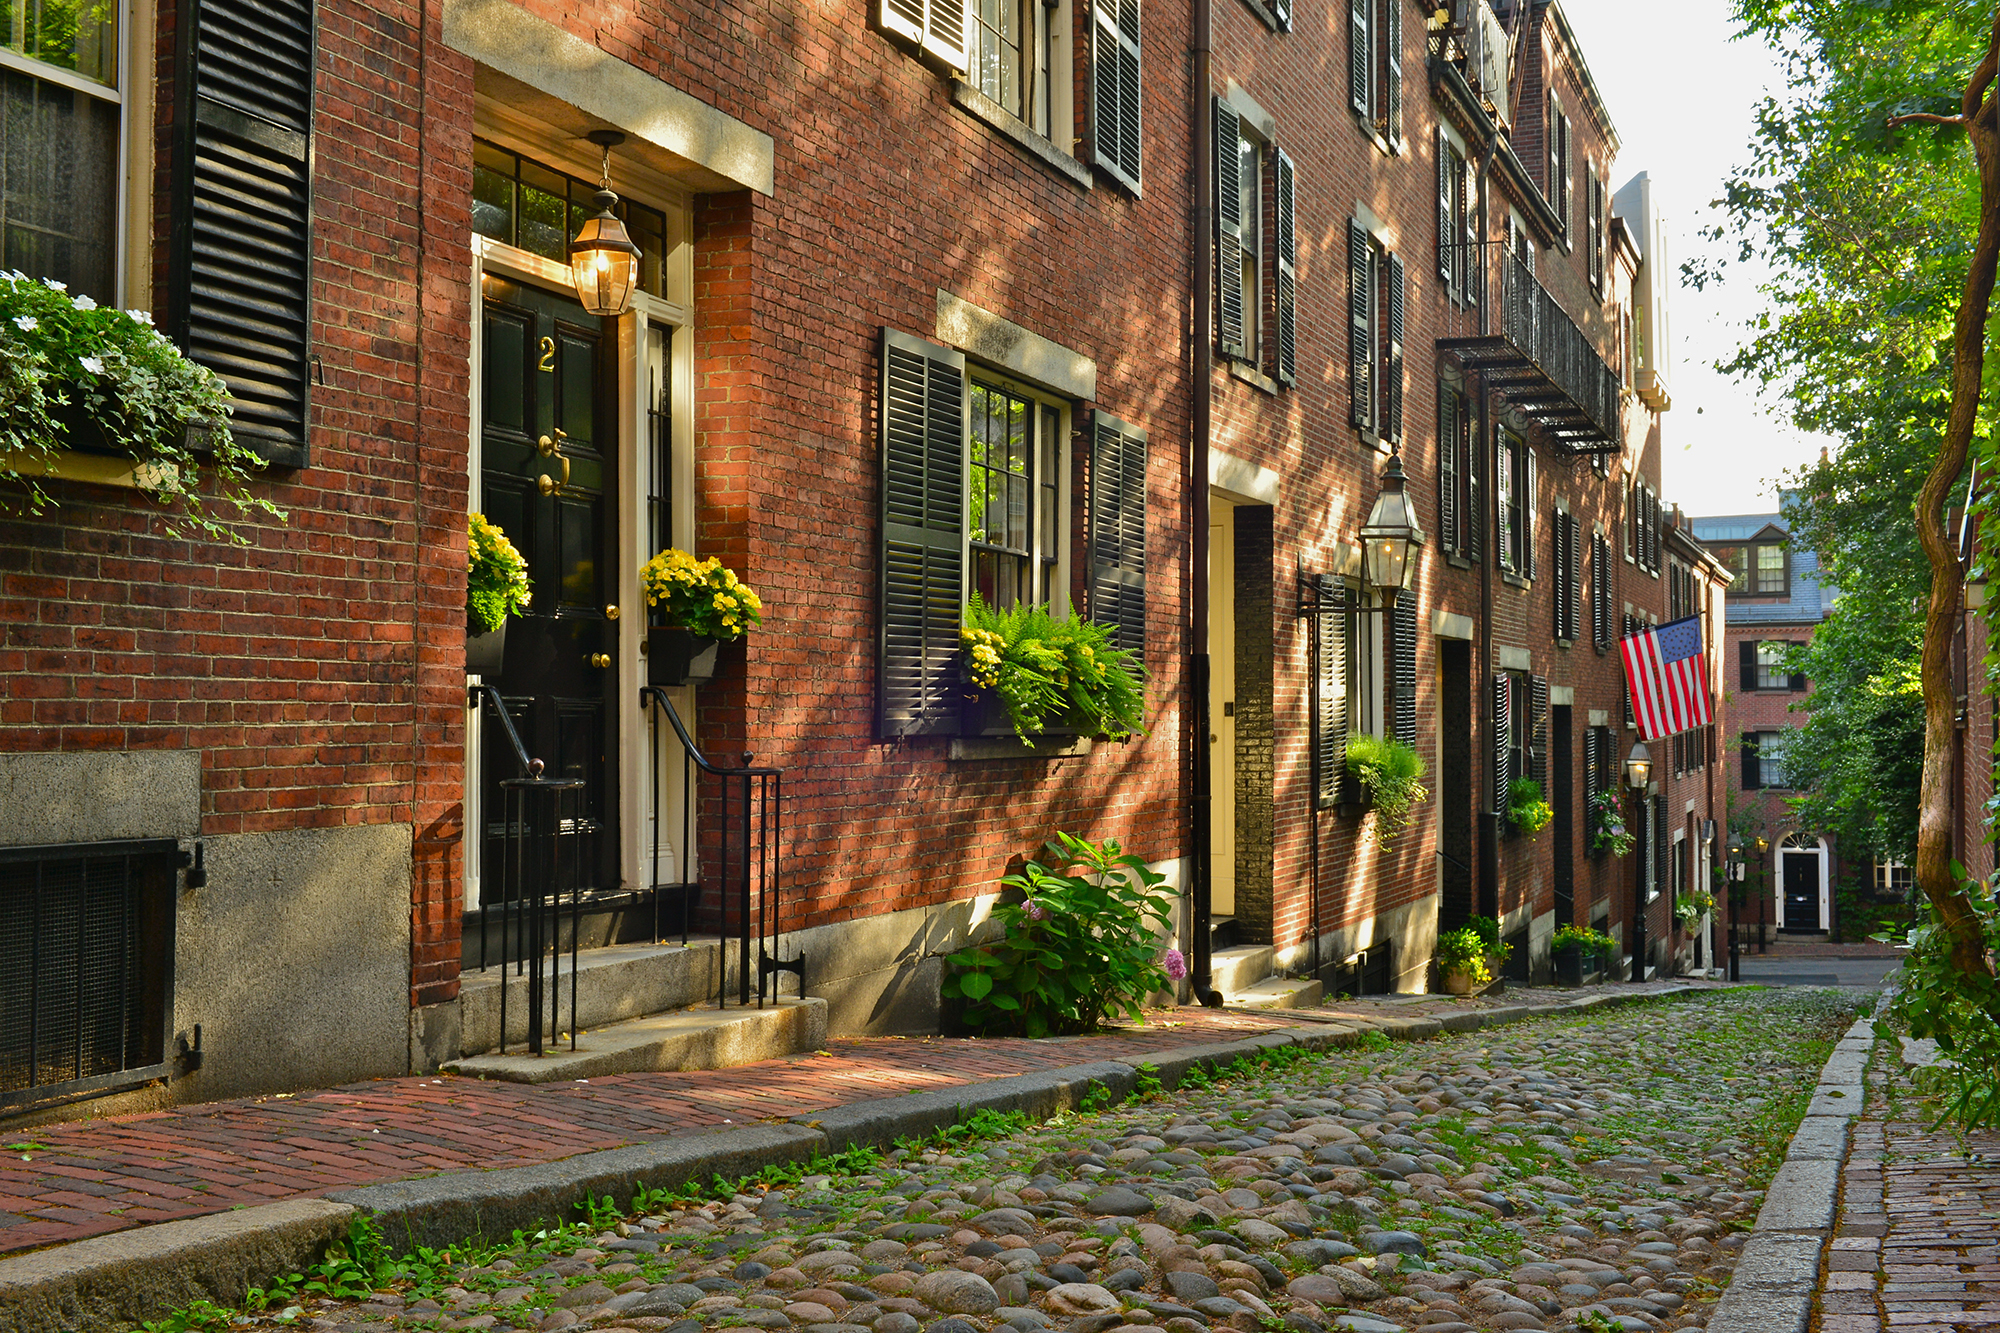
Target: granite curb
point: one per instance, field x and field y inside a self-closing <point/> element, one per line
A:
<point x="1772" y="1289"/>
<point x="113" y="1281"/>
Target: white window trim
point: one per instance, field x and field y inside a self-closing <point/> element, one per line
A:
<point x="1065" y="465"/>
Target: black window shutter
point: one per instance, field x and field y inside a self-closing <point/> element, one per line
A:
<point x="1360" y="319"/>
<point x="1392" y="387"/>
<point x="1118" y="532"/>
<point x="1752" y="779"/>
<point x="1568" y="182"/>
<point x="1330" y="680"/>
<point x="1361" y="58"/>
<point x="1600" y="592"/>
<point x="1472" y="461"/>
<point x="1448" y="238"/>
<point x="1503" y="501"/>
<point x="923" y="534"/>
<point x="1448" y="469"/>
<point x="1572" y="589"/>
<point x="1503" y="737"/>
<point x="1392" y="88"/>
<point x="1282" y="11"/>
<point x="1746" y="664"/>
<point x="1114" y="77"/>
<point x="1797" y="680"/>
<point x="240" y="297"/>
<point x="1593" y="744"/>
<point x="1530" y="558"/>
<point x="1631" y="626"/>
<point x="1288" y="271"/>
<point x="1229" y="294"/>
<point x="1596" y="231"/>
<point x="1551" y="133"/>
<point x="1662" y="848"/>
<point x="1538" y="734"/>
<point x="1405" y="631"/>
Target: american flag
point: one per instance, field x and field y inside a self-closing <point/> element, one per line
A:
<point x="1668" y="677"/>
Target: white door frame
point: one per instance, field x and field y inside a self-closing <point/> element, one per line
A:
<point x="1819" y="851"/>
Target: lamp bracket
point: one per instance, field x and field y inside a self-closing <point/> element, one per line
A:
<point x="1311" y="605"/>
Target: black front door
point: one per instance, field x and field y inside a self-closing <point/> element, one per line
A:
<point x="547" y="434"/>
<point x="1801" y="891"/>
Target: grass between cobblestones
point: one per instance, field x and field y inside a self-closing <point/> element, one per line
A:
<point x="1573" y="1173"/>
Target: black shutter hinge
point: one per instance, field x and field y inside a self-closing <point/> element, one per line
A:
<point x="197" y="873"/>
<point x="189" y="1056"/>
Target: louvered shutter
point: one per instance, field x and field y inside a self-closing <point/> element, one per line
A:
<point x="1538" y="731"/>
<point x="1361" y="58"/>
<point x="1114" y="78"/>
<point x="1746" y="665"/>
<point x="923" y="534"/>
<point x="240" y="294"/>
<point x="1631" y="627"/>
<point x="1472" y="461"/>
<point x="1330" y="681"/>
<point x="1596" y="232"/>
<point x="1552" y="144"/>
<point x="1288" y="272"/>
<point x="1797" y="680"/>
<point x="1530" y="558"/>
<point x="1572" y="589"/>
<point x="1448" y="237"/>
<point x="1282" y="11"/>
<point x="937" y="27"/>
<point x="1118" y="531"/>
<point x="1503" y="503"/>
<point x="1593" y="743"/>
<point x="1600" y="592"/>
<point x="1752" y="778"/>
<point x="1228" y="233"/>
<point x="1360" y="318"/>
<point x="1392" y="88"/>
<point x="1392" y="387"/>
<point x="1568" y="181"/>
<point x="1559" y="537"/>
<point x="1448" y="470"/>
<point x="1405" y="669"/>
<point x="1503" y="737"/>
<point x="1472" y="266"/>
<point x="1662" y="848"/>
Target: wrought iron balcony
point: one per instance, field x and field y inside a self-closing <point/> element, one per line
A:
<point x="1545" y="365"/>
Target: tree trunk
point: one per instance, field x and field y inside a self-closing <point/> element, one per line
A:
<point x="1934" y="814"/>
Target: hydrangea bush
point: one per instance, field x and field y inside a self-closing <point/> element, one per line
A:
<point x="1083" y="944"/>
<point x="700" y="596"/>
<point x="73" y="372"/>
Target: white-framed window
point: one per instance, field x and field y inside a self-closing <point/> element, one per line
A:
<point x="1250" y="219"/>
<point x="62" y="131"/>
<point x="1771" y="671"/>
<point x="1766" y="766"/>
<point x="1894" y="880"/>
<point x="1016" y="461"/>
<point x="1020" y="61"/>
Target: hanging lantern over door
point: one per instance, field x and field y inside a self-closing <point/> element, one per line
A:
<point x="603" y="262"/>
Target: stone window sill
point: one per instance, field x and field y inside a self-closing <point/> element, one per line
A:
<point x="1252" y="376"/>
<point x="981" y="107"/>
<point x="1010" y="747"/>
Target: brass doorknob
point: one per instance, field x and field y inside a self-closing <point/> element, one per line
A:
<point x="611" y="613"/>
<point x="599" y="660"/>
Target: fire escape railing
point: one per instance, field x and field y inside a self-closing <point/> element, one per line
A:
<point x="750" y="869"/>
<point x="1533" y="322"/>
<point x="540" y="870"/>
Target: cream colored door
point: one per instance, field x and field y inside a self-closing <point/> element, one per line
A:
<point x="1221" y="706"/>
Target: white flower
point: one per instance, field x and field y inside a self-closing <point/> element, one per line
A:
<point x="143" y="316"/>
<point x="26" y="323"/>
<point x="91" y="364"/>
<point x="55" y="286"/>
<point x="83" y="303"/>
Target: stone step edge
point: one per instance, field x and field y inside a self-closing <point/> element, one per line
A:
<point x="117" y="1280"/>
<point x="1777" y="1275"/>
<point x="641" y="1044"/>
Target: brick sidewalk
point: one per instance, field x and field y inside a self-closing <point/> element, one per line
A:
<point x="1918" y="1249"/>
<point x="98" y="1176"/>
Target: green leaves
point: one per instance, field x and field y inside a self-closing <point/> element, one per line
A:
<point x="1081" y="944"/>
<point x="1392" y="773"/>
<point x="1045" y="669"/>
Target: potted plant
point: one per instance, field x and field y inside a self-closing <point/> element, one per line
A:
<point x="1527" y="811"/>
<point x="1032" y="673"/>
<point x="1497" y="951"/>
<point x="1575" y="949"/>
<point x="703" y="604"/>
<point x="1690" y="907"/>
<point x="1607" y="827"/>
<point x="1391" y="773"/>
<point x="496" y="587"/>
<point x="1461" y="961"/>
<point x="79" y="377"/>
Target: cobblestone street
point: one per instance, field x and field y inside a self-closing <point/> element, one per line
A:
<point x="1585" y="1172"/>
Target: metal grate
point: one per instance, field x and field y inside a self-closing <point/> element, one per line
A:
<point x="86" y="960"/>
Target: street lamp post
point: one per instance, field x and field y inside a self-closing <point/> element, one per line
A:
<point x="1735" y="875"/>
<point x="1638" y="772"/>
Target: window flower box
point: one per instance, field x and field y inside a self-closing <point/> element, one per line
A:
<point x="679" y="657"/>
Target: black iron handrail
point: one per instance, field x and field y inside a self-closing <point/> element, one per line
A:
<point x="759" y="856"/>
<point x="543" y="818"/>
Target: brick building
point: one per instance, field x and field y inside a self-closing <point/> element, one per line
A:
<point x="1776" y="600"/>
<point x="878" y="243"/>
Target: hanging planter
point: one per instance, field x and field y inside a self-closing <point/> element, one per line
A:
<point x="496" y="587"/>
<point x="704" y="606"/>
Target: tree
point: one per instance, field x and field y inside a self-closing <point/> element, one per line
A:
<point x="1874" y="188"/>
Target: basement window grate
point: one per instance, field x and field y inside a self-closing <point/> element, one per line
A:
<point x="86" y="968"/>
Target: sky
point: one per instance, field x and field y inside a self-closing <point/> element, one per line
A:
<point x="1682" y="94"/>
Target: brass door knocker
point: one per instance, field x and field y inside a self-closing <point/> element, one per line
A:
<point x="552" y="448"/>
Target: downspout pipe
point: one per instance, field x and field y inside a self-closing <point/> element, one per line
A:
<point x="1201" y="127"/>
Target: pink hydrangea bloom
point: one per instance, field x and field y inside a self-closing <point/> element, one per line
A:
<point x="1175" y="964"/>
